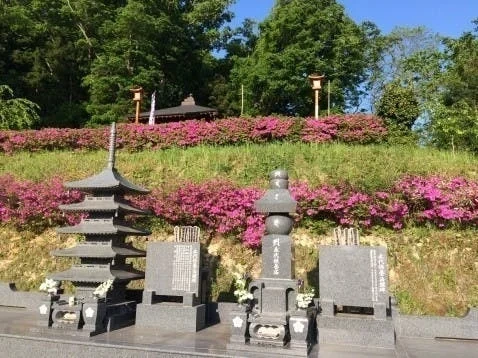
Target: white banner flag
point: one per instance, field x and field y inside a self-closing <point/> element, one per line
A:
<point x="151" y="121"/>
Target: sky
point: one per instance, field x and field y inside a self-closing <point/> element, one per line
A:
<point x="448" y="18"/>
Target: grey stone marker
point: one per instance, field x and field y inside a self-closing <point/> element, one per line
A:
<point x="274" y="325"/>
<point x="173" y="284"/>
<point x="354" y="278"/>
<point x="102" y="254"/>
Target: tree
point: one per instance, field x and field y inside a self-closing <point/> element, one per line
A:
<point x="454" y="110"/>
<point x="301" y="37"/>
<point x="168" y="49"/>
<point x="47" y="47"/>
<point x="399" y="105"/>
<point x="16" y="113"/>
<point x="408" y="58"/>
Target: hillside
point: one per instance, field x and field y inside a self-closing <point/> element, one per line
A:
<point x="432" y="269"/>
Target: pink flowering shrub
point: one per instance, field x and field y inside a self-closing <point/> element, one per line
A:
<point x="350" y="128"/>
<point x="441" y="201"/>
<point x="357" y="128"/>
<point x="221" y="207"/>
<point x="35" y="204"/>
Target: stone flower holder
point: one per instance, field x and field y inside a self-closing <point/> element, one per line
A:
<point x="302" y="327"/>
<point x="240" y="326"/>
<point x="94" y="313"/>
<point x="44" y="312"/>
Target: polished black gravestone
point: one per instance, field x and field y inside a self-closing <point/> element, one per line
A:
<point x="172" y="297"/>
<point x="354" y="298"/>
<point x="102" y="256"/>
<point x="274" y="324"/>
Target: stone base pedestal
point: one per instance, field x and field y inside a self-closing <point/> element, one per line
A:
<point x="171" y="316"/>
<point x="303" y="329"/>
<point x="85" y="319"/>
<point x="239" y="327"/>
<point x="358" y="330"/>
<point x="44" y="311"/>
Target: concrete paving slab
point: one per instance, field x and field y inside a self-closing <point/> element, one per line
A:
<point x="18" y="340"/>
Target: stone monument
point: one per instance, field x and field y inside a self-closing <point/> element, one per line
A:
<point x="173" y="291"/>
<point x="354" y="298"/>
<point x="274" y="324"/>
<point x="102" y="255"/>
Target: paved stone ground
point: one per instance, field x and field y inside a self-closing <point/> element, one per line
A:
<point x="18" y="340"/>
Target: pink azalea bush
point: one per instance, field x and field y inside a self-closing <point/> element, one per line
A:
<point x="356" y="128"/>
<point x="35" y="204"/>
<point x="221" y="207"/>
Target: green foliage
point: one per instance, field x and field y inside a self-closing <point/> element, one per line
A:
<point x="16" y="113"/>
<point x="299" y="38"/>
<point x="63" y="54"/>
<point x="408" y="58"/>
<point x="454" y="108"/>
<point x="456" y="126"/>
<point x="399" y="105"/>
<point x="248" y="164"/>
<point x="166" y="50"/>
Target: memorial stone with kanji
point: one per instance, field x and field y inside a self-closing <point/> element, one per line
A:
<point x="274" y="324"/>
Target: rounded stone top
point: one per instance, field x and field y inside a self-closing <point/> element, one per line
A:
<point x="279" y="179"/>
<point x="279" y="174"/>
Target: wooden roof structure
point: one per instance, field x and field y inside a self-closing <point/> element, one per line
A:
<point x="187" y="110"/>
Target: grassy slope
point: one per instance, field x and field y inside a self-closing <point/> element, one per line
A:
<point x="367" y="167"/>
<point x="431" y="271"/>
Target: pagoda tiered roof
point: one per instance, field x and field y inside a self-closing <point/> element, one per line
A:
<point x="102" y="227"/>
<point x="98" y="273"/>
<point x="103" y="204"/>
<point x="104" y="251"/>
<point x="108" y="180"/>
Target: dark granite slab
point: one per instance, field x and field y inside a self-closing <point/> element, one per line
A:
<point x="16" y="340"/>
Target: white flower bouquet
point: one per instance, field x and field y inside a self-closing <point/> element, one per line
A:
<point x="101" y="290"/>
<point x="304" y="300"/>
<point x="240" y="284"/>
<point x="50" y="286"/>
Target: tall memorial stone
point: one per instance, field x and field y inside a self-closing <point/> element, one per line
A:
<point x="274" y="324"/>
<point x="174" y="285"/>
<point x="354" y="297"/>
<point x="102" y="255"/>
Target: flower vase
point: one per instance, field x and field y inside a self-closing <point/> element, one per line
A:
<point x="44" y="311"/>
<point x="302" y="327"/>
<point x="93" y="313"/>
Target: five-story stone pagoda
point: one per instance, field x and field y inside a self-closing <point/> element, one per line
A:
<point x="102" y="254"/>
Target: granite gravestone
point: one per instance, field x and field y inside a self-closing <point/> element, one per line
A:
<point x="354" y="296"/>
<point x="274" y="325"/>
<point x="173" y="284"/>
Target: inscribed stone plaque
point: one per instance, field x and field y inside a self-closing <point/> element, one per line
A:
<point x="354" y="275"/>
<point x="173" y="268"/>
<point x="277" y="257"/>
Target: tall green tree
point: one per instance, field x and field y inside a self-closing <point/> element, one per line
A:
<point x="159" y="45"/>
<point x="407" y="58"/>
<point x="301" y="37"/>
<point x="47" y="47"/>
<point x="454" y="109"/>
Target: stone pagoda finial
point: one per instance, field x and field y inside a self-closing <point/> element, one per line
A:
<point x="112" y="149"/>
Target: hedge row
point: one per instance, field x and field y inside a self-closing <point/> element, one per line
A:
<point x="223" y="208"/>
<point x="357" y="128"/>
